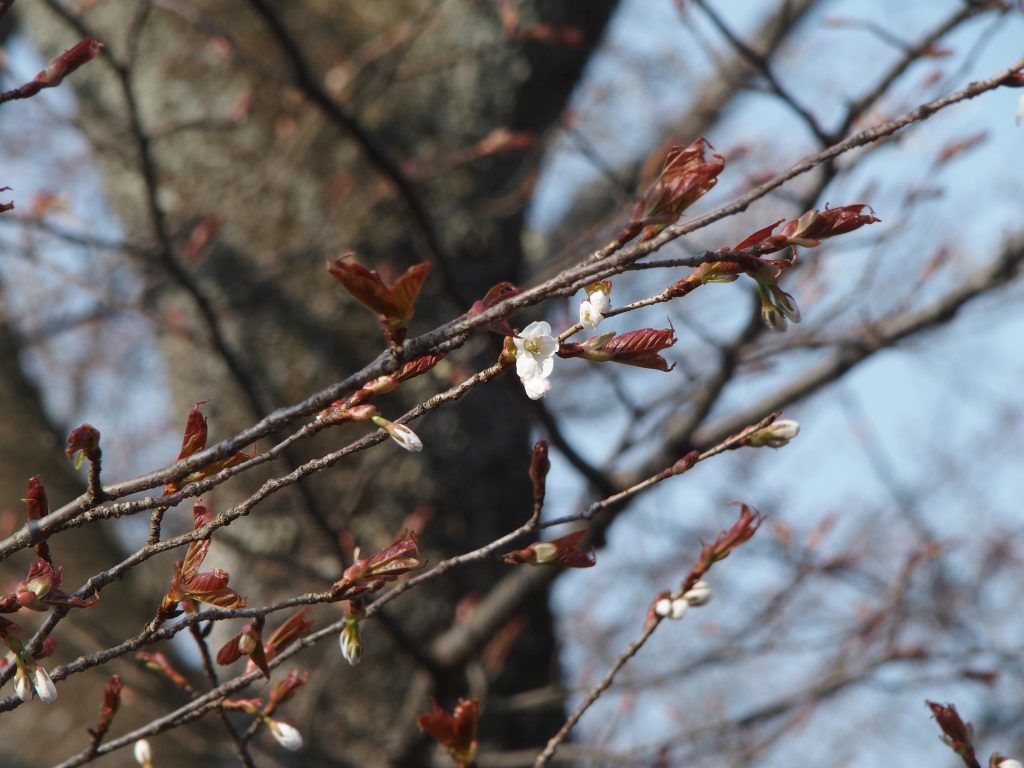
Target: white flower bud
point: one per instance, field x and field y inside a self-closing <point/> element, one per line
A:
<point x="663" y="607"/>
<point x="698" y="594"/>
<point x="22" y="685"/>
<point x="668" y="608"/>
<point x="287" y="736"/>
<point x="400" y="433"/>
<point x="775" y="435"/>
<point x="351" y="646"/>
<point x="45" y="689"/>
<point x="679" y="608"/>
<point x="143" y="754"/>
<point x="1012" y="763"/>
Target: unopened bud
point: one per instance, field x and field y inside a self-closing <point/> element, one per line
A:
<point x="351" y="645"/>
<point x="775" y="435"/>
<point x="1009" y="764"/>
<point x="400" y="433"/>
<point x="287" y="736"/>
<point x="698" y="594"/>
<point x="45" y="689"/>
<point x="143" y="754"/>
<point x="668" y="608"/>
<point x="22" y="685"/>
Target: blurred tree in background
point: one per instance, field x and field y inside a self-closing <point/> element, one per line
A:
<point x="176" y="255"/>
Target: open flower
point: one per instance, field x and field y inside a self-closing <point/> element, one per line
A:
<point x="535" y="352"/>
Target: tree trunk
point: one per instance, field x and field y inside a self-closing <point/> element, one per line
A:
<point x="291" y="186"/>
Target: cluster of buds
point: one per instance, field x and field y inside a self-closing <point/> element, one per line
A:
<point x="562" y="552"/>
<point x="686" y="175"/>
<point x="808" y="231"/>
<point x="674" y="607"/>
<point x="401" y="434"/>
<point x="395" y="560"/>
<point x="40" y="590"/>
<point x="596" y="305"/>
<point x="394" y="304"/>
<point x="30" y="675"/>
<point x="456" y="732"/>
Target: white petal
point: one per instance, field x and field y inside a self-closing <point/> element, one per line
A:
<point x="589" y="316"/>
<point x="663" y="607"/>
<point x="547" y="365"/>
<point x="527" y="366"/>
<point x="600" y="301"/>
<point x="548" y="346"/>
<point x="535" y="329"/>
<point x="536" y="387"/>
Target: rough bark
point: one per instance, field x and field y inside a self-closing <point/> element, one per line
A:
<point x="291" y="188"/>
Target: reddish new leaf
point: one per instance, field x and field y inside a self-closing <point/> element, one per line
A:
<point x="83" y="443"/>
<point x="686" y="176"/>
<point x="388" y="564"/>
<point x="395" y="303"/>
<point x="640" y="348"/>
<point x="456" y="732"/>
